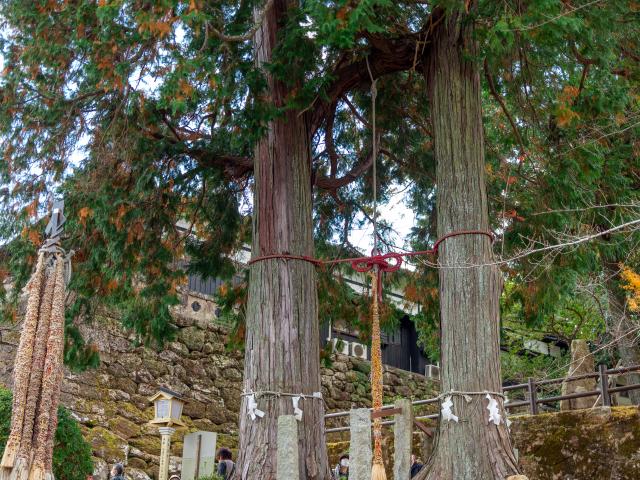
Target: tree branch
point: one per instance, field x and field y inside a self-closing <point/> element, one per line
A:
<point x="498" y="98"/>
<point x="354" y="110"/>
<point x="386" y="55"/>
<point x="247" y="35"/>
<point x="328" y="183"/>
<point x="234" y="166"/>
<point x="328" y="141"/>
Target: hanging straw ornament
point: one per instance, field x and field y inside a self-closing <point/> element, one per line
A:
<point x="47" y="411"/>
<point x="22" y="369"/>
<point x="377" y="470"/>
<point x="53" y="425"/>
<point x="25" y="454"/>
<point x="38" y="364"/>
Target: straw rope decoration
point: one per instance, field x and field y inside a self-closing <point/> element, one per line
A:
<point x="21" y="468"/>
<point x="22" y="368"/>
<point x="377" y="470"/>
<point x="47" y="413"/>
<point x="53" y="425"/>
<point x="38" y="368"/>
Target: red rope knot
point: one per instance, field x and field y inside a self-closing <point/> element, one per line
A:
<point x="380" y="264"/>
<point x="366" y="264"/>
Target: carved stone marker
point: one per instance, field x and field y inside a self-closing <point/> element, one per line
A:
<point x="402" y="436"/>
<point x="360" y="444"/>
<point x="199" y="455"/>
<point x="581" y="362"/>
<point x="288" y="468"/>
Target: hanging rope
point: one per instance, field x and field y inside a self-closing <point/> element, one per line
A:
<point x="376" y="269"/>
<point x="374" y="156"/>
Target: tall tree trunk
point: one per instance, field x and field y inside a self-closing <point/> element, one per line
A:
<point x="473" y="448"/>
<point x="620" y="326"/>
<point x="283" y="340"/>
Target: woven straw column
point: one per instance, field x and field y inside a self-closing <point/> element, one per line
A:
<point x="377" y="471"/>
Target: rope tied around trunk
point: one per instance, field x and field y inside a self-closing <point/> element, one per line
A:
<point x="270" y="393"/>
<point x="452" y="393"/>
<point x="378" y="262"/>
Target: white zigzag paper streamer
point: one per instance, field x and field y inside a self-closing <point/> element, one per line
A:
<point x="447" y="413"/>
<point x="252" y="408"/>
<point x="494" y="413"/>
<point x="297" y="412"/>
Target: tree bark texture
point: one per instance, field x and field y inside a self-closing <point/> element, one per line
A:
<point x="620" y="326"/>
<point x="282" y="341"/>
<point x="469" y="296"/>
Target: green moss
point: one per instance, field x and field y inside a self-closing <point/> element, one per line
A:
<point x="362" y="367"/>
<point x="123" y="427"/>
<point x="105" y="443"/>
<point x="581" y="444"/>
<point x="130" y="411"/>
<point x="147" y="443"/>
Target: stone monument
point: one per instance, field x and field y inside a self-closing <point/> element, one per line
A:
<point x="199" y="455"/>
<point x="581" y="362"/>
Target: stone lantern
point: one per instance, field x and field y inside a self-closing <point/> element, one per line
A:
<point x="167" y="413"/>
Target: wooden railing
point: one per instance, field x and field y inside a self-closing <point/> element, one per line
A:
<point x="604" y="392"/>
<point x="533" y="401"/>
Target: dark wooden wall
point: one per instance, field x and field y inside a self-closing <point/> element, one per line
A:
<point x="399" y="350"/>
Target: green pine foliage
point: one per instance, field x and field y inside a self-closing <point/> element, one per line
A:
<point x="569" y="169"/>
<point x="144" y="116"/>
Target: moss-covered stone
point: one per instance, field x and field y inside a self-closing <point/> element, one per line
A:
<point x="137" y="463"/>
<point x="192" y="337"/>
<point x="581" y="444"/>
<point x="361" y="366"/>
<point x="147" y="443"/>
<point x="123" y="427"/>
<point x="105" y="444"/>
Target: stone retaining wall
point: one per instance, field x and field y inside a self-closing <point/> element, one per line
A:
<point x="591" y="444"/>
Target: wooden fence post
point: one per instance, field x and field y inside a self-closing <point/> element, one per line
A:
<point x="533" y="396"/>
<point x="604" y="386"/>
<point x="402" y="436"/>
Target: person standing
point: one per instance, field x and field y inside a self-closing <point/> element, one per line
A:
<point x="341" y="471"/>
<point x="415" y="465"/>
<point x="117" y="472"/>
<point x="225" y="463"/>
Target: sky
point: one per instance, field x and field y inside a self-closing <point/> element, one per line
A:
<point x="395" y="213"/>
